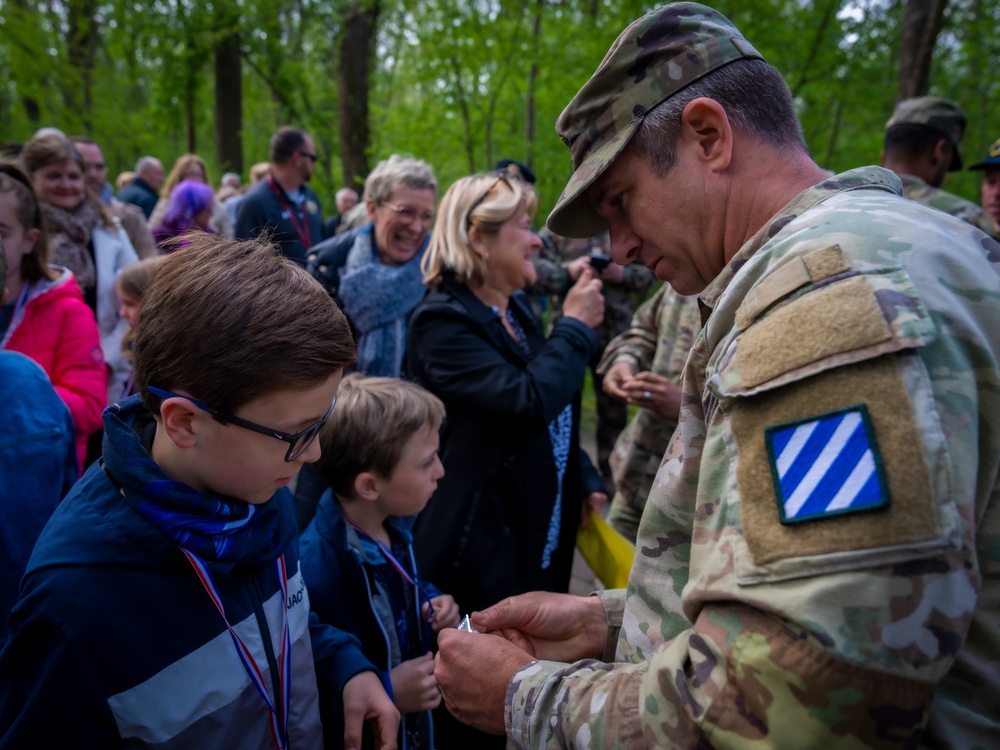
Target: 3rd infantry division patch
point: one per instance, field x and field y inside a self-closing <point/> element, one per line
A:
<point x="827" y="465"/>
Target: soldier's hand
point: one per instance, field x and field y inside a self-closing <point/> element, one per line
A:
<point x="584" y="300"/>
<point x="656" y="393"/>
<point x="473" y="671"/>
<point x="616" y="378"/>
<point x="559" y="627"/>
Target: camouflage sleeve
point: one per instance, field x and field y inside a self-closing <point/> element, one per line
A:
<point x="551" y="275"/>
<point x="637" y="344"/>
<point x="978" y="218"/>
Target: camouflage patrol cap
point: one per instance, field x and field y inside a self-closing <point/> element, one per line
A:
<point x="653" y="59"/>
<point x="936" y="113"/>
<point x="992" y="157"/>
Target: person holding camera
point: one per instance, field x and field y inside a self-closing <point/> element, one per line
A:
<point x="504" y="517"/>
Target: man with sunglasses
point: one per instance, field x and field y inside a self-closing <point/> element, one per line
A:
<point x="164" y="605"/>
<point x="282" y="207"/>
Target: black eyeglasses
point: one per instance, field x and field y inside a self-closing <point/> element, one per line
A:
<point x="314" y="157"/>
<point x="297" y="444"/>
<point x="502" y="177"/>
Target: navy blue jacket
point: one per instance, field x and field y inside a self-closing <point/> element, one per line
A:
<point x="37" y="467"/>
<point x="338" y="565"/>
<point x="115" y="642"/>
<point x="482" y="535"/>
<point x="261" y="211"/>
<point x="139" y="193"/>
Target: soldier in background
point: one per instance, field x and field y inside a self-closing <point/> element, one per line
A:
<point x="990" y="189"/>
<point x="643" y="366"/>
<point x="827" y="514"/>
<point x="921" y="147"/>
<point x="621" y="285"/>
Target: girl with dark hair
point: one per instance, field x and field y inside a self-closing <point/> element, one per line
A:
<point x="46" y="318"/>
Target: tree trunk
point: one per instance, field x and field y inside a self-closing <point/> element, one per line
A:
<point x="229" y="105"/>
<point x="463" y="105"/>
<point x="918" y="33"/>
<point x="81" y="44"/>
<point x="529" y="109"/>
<point x="357" y="50"/>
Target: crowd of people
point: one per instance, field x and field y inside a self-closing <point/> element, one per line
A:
<point x="261" y="460"/>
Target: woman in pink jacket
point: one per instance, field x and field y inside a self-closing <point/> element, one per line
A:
<point x="46" y="317"/>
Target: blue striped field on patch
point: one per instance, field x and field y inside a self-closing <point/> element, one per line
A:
<point x="827" y="465"/>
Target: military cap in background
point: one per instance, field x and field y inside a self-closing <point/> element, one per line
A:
<point x="653" y="59"/>
<point x="992" y="157"/>
<point x="936" y="113"/>
<point x="516" y="169"/>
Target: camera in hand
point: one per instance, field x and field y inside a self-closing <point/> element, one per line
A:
<point x="599" y="261"/>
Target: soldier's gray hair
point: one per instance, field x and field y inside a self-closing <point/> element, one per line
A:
<point x="480" y="203"/>
<point x="398" y="171"/>
<point x="754" y="95"/>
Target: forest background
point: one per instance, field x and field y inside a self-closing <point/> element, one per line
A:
<point x="458" y="83"/>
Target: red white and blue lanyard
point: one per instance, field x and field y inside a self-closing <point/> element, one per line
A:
<point x="279" y="724"/>
<point x="398" y="566"/>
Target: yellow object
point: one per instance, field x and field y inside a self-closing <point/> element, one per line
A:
<point x="608" y="553"/>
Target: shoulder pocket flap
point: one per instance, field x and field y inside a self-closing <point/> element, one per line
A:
<point x="850" y="320"/>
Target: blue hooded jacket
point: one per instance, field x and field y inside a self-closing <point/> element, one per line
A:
<point x="115" y="641"/>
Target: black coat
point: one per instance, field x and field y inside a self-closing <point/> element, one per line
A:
<point x="482" y="535"/>
<point x="262" y="212"/>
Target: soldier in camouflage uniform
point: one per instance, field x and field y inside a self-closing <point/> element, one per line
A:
<point x="817" y="564"/>
<point x="921" y="147"/>
<point x="620" y="284"/>
<point x="656" y="347"/>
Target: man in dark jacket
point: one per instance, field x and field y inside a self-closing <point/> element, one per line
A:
<point x="282" y="205"/>
<point x="143" y="191"/>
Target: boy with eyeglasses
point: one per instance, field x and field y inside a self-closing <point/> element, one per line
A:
<point x="163" y="604"/>
<point x="357" y="555"/>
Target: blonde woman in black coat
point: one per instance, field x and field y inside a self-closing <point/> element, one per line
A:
<point x="504" y="518"/>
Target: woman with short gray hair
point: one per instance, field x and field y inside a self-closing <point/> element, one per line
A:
<point x="374" y="271"/>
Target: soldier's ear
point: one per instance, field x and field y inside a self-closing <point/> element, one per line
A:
<point x="705" y="126"/>
<point x="942" y="152"/>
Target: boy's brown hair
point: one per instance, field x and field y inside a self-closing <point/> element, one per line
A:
<point x="371" y="424"/>
<point x="229" y="321"/>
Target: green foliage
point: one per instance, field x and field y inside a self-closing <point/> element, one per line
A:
<point x="454" y="81"/>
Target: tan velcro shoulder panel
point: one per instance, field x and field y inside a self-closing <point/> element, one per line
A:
<point x="792" y="275"/>
<point x="837" y="318"/>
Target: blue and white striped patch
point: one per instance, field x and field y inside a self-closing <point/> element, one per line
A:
<point x="826" y="466"/>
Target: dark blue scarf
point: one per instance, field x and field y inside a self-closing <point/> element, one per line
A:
<point x="216" y="528"/>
